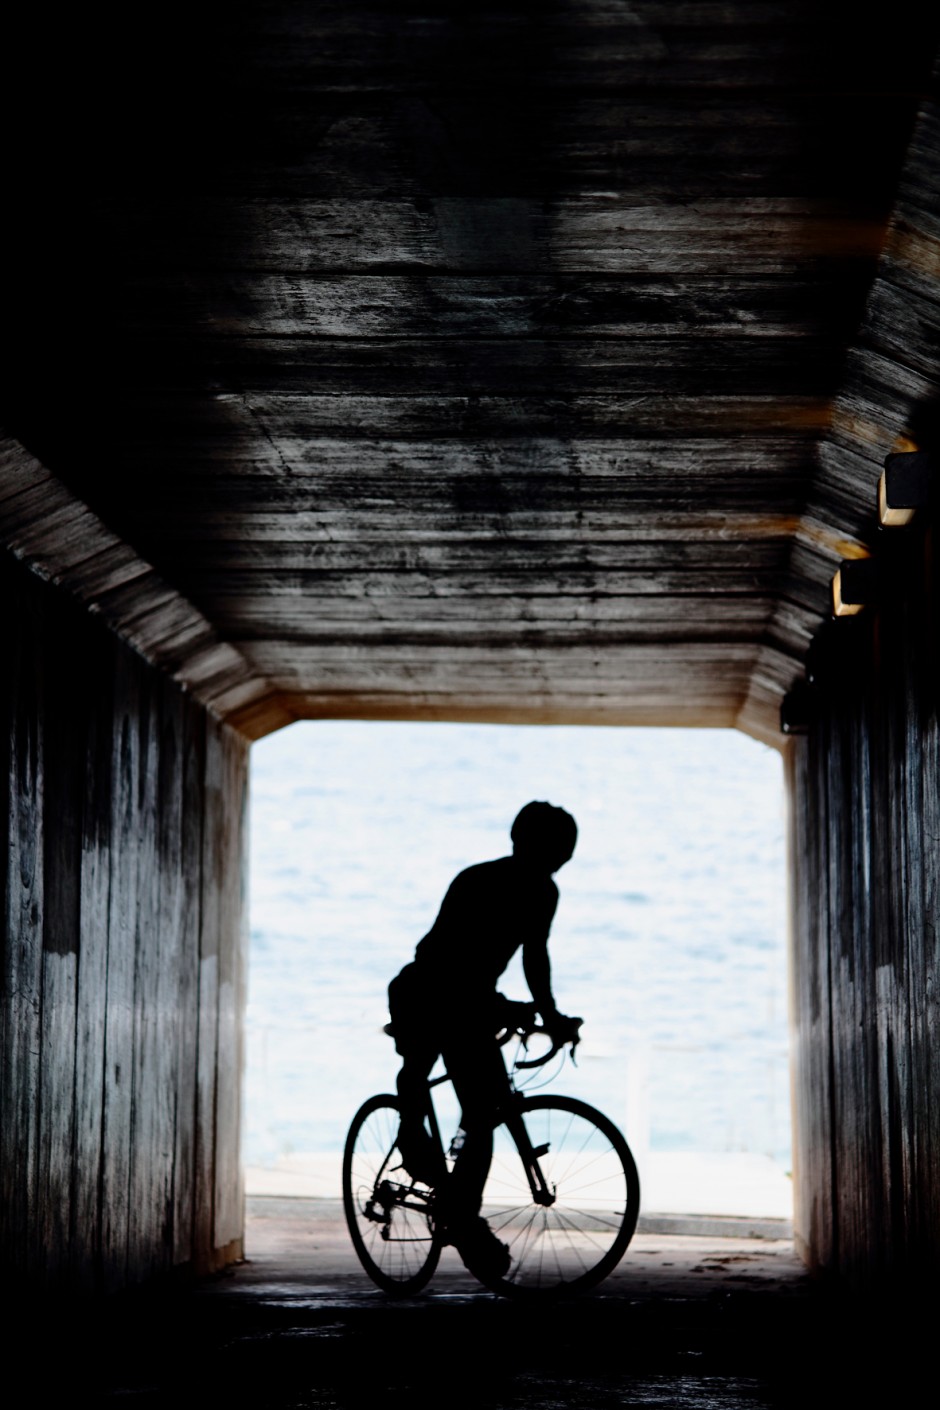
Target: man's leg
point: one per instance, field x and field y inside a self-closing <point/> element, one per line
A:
<point x="476" y="1067"/>
<point x="418" y="1150"/>
<point x="408" y="1006"/>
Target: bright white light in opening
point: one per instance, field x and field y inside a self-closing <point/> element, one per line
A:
<point x="669" y="937"/>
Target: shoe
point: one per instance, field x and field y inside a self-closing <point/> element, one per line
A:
<point x="418" y="1156"/>
<point x="483" y="1254"/>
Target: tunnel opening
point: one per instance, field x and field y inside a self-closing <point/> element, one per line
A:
<point x="670" y="938"/>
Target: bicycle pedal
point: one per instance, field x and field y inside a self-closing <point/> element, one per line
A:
<point x="539" y="1151"/>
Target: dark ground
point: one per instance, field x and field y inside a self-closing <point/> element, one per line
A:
<point x="687" y="1321"/>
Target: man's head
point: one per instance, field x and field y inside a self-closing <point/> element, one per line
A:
<point x="544" y="835"/>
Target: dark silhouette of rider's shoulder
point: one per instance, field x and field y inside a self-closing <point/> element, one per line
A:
<point x="503" y="879"/>
<point x="489" y="910"/>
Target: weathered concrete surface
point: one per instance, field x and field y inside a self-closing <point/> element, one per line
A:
<point x="462" y="363"/>
<point x="866" y="880"/>
<point x="122" y="815"/>
<point x="448" y="364"/>
<point x="681" y="1327"/>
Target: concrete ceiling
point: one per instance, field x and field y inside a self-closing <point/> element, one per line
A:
<point x="457" y="363"/>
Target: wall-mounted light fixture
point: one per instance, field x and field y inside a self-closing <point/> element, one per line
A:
<point x="904" y="487"/>
<point x="855" y="586"/>
<point x="798" y="709"/>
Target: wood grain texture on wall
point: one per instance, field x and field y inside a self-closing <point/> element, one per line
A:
<point x="473" y="361"/>
<point x="866" y="872"/>
<point x="888" y="399"/>
<point x="122" y="818"/>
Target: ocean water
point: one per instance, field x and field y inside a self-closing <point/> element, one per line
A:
<point x="669" y="937"/>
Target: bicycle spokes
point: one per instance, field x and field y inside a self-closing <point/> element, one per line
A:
<point x="564" y="1197"/>
<point x="389" y="1217"/>
<point x="562" y="1192"/>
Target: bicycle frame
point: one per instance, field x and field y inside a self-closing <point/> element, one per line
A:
<point x="510" y="1115"/>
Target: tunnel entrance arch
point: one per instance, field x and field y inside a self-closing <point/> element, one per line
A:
<point x="670" y="935"/>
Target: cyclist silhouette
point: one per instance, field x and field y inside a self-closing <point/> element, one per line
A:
<point x="445" y="1003"/>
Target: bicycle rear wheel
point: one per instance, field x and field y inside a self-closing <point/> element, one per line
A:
<point x="389" y="1217"/>
<point x="577" y="1237"/>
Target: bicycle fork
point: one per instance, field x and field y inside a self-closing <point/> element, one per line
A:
<point x="542" y="1192"/>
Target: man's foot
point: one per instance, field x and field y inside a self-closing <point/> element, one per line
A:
<point x="486" y="1256"/>
<point x="418" y="1155"/>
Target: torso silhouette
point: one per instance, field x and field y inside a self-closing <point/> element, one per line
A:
<point x="488" y="912"/>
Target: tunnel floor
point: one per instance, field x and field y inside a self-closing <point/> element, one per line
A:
<point x="685" y="1321"/>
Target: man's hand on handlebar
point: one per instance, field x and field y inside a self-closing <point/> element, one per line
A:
<point x="561" y="1028"/>
<point x="524" y="1018"/>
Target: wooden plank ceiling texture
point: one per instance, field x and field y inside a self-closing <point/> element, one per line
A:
<point x="471" y="363"/>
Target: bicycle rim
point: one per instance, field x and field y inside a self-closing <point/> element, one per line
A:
<point x="388" y="1218"/>
<point x="571" y="1244"/>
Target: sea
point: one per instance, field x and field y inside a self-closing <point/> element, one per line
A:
<point x="669" y="939"/>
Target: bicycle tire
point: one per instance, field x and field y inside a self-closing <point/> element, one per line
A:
<point x="580" y="1238"/>
<point x="395" y="1242"/>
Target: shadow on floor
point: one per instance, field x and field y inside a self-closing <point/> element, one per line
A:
<point x="686" y="1321"/>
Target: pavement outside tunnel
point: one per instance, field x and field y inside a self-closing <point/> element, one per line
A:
<point x="303" y="1245"/>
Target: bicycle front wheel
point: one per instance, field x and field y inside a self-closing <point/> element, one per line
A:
<point x="389" y="1217"/>
<point x="577" y="1232"/>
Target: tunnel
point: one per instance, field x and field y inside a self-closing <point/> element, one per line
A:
<point x="542" y="363"/>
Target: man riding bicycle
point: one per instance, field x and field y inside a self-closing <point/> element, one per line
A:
<point x="445" y="1003"/>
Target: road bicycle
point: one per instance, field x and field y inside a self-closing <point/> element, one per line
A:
<point x="562" y="1192"/>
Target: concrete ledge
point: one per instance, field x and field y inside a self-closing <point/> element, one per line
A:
<point x="715" y="1226"/>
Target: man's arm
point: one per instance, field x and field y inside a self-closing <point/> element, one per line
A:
<point x="538" y="974"/>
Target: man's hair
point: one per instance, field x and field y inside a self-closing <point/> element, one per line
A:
<point x="544" y="831"/>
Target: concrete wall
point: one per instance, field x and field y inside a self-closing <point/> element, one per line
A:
<point x="866" y="878"/>
<point x="123" y="826"/>
<point x="122" y="816"/>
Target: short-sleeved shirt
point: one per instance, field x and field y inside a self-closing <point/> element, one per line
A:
<point x="488" y="912"/>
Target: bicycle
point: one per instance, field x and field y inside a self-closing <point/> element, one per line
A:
<point x="562" y="1192"/>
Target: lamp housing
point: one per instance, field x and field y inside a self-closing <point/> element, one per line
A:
<point x="905" y="486"/>
<point x="798" y="709"/>
<point x="855" y="586"/>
